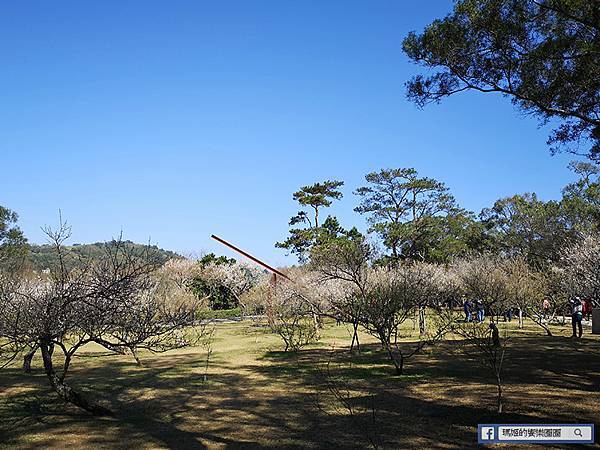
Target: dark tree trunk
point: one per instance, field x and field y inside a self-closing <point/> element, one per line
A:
<point x="133" y="351"/>
<point x="27" y="360"/>
<point x="543" y="326"/>
<point x="355" y="338"/>
<point x="422" y="321"/>
<point x="398" y="363"/>
<point x="65" y="391"/>
<point x="29" y="357"/>
<point x="317" y="325"/>
<point x="499" y="384"/>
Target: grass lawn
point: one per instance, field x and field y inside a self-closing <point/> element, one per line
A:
<point x="256" y="396"/>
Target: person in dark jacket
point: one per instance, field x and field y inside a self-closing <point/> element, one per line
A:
<point x="480" y="311"/>
<point x="576" y="316"/>
<point x="467" y="306"/>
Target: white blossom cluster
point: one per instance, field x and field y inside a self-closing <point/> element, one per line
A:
<point x="579" y="268"/>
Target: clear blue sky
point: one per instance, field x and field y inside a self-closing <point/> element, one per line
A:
<point x="175" y="120"/>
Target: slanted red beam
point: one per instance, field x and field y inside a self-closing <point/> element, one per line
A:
<point x="249" y="256"/>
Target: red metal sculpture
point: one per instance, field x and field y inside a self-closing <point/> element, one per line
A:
<point x="274" y="271"/>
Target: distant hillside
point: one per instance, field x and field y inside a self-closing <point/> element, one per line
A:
<point x="43" y="256"/>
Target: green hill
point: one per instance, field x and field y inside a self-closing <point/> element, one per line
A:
<point x="41" y="257"/>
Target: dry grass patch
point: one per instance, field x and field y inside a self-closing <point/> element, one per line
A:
<point x="257" y="396"/>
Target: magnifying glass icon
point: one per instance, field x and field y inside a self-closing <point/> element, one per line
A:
<point x="577" y="432"/>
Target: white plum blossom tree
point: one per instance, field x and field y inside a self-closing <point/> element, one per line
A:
<point x="116" y="301"/>
<point x="290" y="308"/>
<point x="393" y="295"/>
<point x="238" y="278"/>
<point x="579" y="268"/>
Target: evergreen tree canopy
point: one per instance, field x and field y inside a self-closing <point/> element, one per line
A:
<point x="542" y="54"/>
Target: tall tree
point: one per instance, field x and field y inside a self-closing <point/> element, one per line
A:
<point x="524" y="225"/>
<point x="402" y="208"/>
<point x="314" y="197"/>
<point x="454" y="235"/>
<point x="331" y="229"/>
<point x="13" y="244"/>
<point x="581" y="199"/>
<point x="542" y="54"/>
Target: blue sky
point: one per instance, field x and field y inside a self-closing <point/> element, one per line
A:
<point x="175" y="120"/>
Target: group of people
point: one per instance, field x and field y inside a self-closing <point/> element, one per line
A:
<point x="580" y="309"/>
<point x="474" y="307"/>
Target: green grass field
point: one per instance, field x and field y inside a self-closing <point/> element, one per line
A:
<point x="256" y="396"/>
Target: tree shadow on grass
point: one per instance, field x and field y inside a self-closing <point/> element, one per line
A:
<point x="536" y="367"/>
<point x="554" y="361"/>
<point x="273" y="403"/>
<point x="166" y="403"/>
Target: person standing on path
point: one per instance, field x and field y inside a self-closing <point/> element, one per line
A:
<point x="576" y="316"/>
<point x="545" y="308"/>
<point x="467" y="306"/>
<point x="480" y="311"/>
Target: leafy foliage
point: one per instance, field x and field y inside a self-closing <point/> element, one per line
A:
<point x="41" y="257"/>
<point x="218" y="295"/>
<point x="316" y="196"/>
<point x="417" y="217"/>
<point x="223" y="281"/>
<point x="537" y="230"/>
<point x="581" y="199"/>
<point x="543" y="54"/>
<point x="525" y="225"/>
<point x="13" y="244"/>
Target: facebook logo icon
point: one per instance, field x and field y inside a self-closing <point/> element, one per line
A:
<point x="487" y="434"/>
